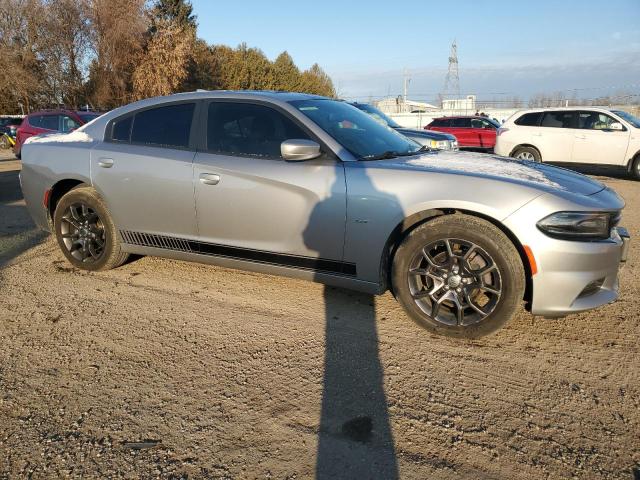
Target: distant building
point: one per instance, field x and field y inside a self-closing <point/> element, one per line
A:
<point x="400" y="105"/>
<point x="468" y="103"/>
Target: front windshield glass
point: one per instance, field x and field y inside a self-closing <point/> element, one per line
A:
<point x="632" y="119"/>
<point x="355" y="130"/>
<point x="377" y="114"/>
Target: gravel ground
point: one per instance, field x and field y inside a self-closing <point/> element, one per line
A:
<point x="172" y="370"/>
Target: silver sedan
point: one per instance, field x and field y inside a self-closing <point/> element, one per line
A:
<point x="310" y="187"/>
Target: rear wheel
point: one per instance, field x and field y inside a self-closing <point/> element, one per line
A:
<point x="458" y="276"/>
<point x="527" y="153"/>
<point x="635" y="168"/>
<point x="85" y="231"/>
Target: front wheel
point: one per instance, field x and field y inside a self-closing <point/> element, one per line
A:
<point x="635" y="168"/>
<point x="458" y="276"/>
<point x="85" y="232"/>
<point x="527" y="153"/>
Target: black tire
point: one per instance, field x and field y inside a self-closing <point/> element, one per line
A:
<point x="19" y="155"/>
<point x="487" y="311"/>
<point x="527" y="153"/>
<point x="85" y="231"/>
<point x="635" y="167"/>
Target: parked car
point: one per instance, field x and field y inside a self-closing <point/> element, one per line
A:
<point x="310" y="187"/>
<point x="435" y="140"/>
<point x="475" y="132"/>
<point x="8" y="127"/>
<point x="49" y="121"/>
<point x="573" y="136"/>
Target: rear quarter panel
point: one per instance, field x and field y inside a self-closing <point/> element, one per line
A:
<point x="44" y="165"/>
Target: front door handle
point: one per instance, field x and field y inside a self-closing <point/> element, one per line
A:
<point x="536" y="134"/>
<point x="581" y="137"/>
<point x="209" y="178"/>
<point x="105" y="162"/>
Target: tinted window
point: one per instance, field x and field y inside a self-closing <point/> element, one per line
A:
<point x="355" y="130"/>
<point x="595" y="121"/>
<point x="35" y="121"/>
<point x="87" y="117"/>
<point x="67" y="123"/>
<point x="246" y="129"/>
<point x="461" y="123"/>
<point x="50" y="122"/>
<point x="168" y="126"/>
<point x="122" y="130"/>
<point x="529" y="119"/>
<point x="560" y="119"/>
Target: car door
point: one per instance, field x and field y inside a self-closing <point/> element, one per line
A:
<point x="487" y="134"/>
<point x="555" y="135"/>
<point x="462" y="130"/>
<point x="263" y="207"/>
<point x="144" y="170"/>
<point x="595" y="142"/>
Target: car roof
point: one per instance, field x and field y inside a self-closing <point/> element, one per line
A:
<point x="459" y="116"/>
<point x="555" y="109"/>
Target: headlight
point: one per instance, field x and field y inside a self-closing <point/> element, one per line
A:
<point x="579" y="225"/>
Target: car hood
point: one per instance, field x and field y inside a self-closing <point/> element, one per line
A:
<point x="533" y="174"/>
<point x="430" y="134"/>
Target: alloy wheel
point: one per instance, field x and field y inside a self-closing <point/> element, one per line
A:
<point x="82" y="233"/>
<point x="455" y="282"/>
<point x="526" y="156"/>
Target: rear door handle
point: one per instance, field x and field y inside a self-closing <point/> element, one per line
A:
<point x="209" y="178"/>
<point x="105" y="162"/>
<point x="536" y="134"/>
<point x="581" y="137"/>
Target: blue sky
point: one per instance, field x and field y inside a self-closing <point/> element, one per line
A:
<point x="505" y="48"/>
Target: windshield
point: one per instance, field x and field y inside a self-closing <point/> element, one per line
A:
<point x="363" y="136"/>
<point x="633" y="120"/>
<point x="87" y="117"/>
<point x="377" y="114"/>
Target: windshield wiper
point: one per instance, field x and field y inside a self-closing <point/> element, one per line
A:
<point x="393" y="154"/>
<point x="381" y="156"/>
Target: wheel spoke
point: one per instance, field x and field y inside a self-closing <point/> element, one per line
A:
<point x="419" y="271"/>
<point x="489" y="289"/>
<point x="448" y="245"/>
<point x="420" y="294"/>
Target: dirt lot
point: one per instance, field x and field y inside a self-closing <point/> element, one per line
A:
<point x="173" y="370"/>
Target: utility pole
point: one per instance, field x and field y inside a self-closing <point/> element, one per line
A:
<point x="406" y="81"/>
<point x="452" y="80"/>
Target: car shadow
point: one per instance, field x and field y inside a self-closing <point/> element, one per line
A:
<point x="18" y="233"/>
<point x="355" y="439"/>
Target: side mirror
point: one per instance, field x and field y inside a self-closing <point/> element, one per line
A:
<point x="298" y="150"/>
<point x="616" y="126"/>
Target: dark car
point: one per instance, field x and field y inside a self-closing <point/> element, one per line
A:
<point x="50" y="121"/>
<point x="436" y="140"/>
<point x="471" y="131"/>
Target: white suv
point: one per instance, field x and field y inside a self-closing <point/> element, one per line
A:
<point x="578" y="135"/>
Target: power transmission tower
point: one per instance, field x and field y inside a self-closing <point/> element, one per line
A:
<point x="452" y="80"/>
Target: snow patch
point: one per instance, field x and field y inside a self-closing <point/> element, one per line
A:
<point x="77" y="136"/>
<point x="483" y="164"/>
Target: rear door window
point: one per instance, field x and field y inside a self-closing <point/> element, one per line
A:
<point x="462" y="123"/>
<point x="529" y="119"/>
<point x="559" y="119"/>
<point x="165" y="126"/>
<point x="249" y="130"/>
<point x="121" y="130"/>
<point x="49" y="122"/>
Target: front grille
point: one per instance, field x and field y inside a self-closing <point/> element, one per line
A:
<point x="591" y="288"/>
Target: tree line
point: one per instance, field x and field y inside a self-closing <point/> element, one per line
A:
<point x="106" y="53"/>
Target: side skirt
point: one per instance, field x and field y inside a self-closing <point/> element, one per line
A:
<point x="311" y="269"/>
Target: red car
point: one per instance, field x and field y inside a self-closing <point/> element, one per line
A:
<point x="50" y="121"/>
<point x="471" y="131"/>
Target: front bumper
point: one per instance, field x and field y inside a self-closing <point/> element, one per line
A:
<point x="577" y="276"/>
